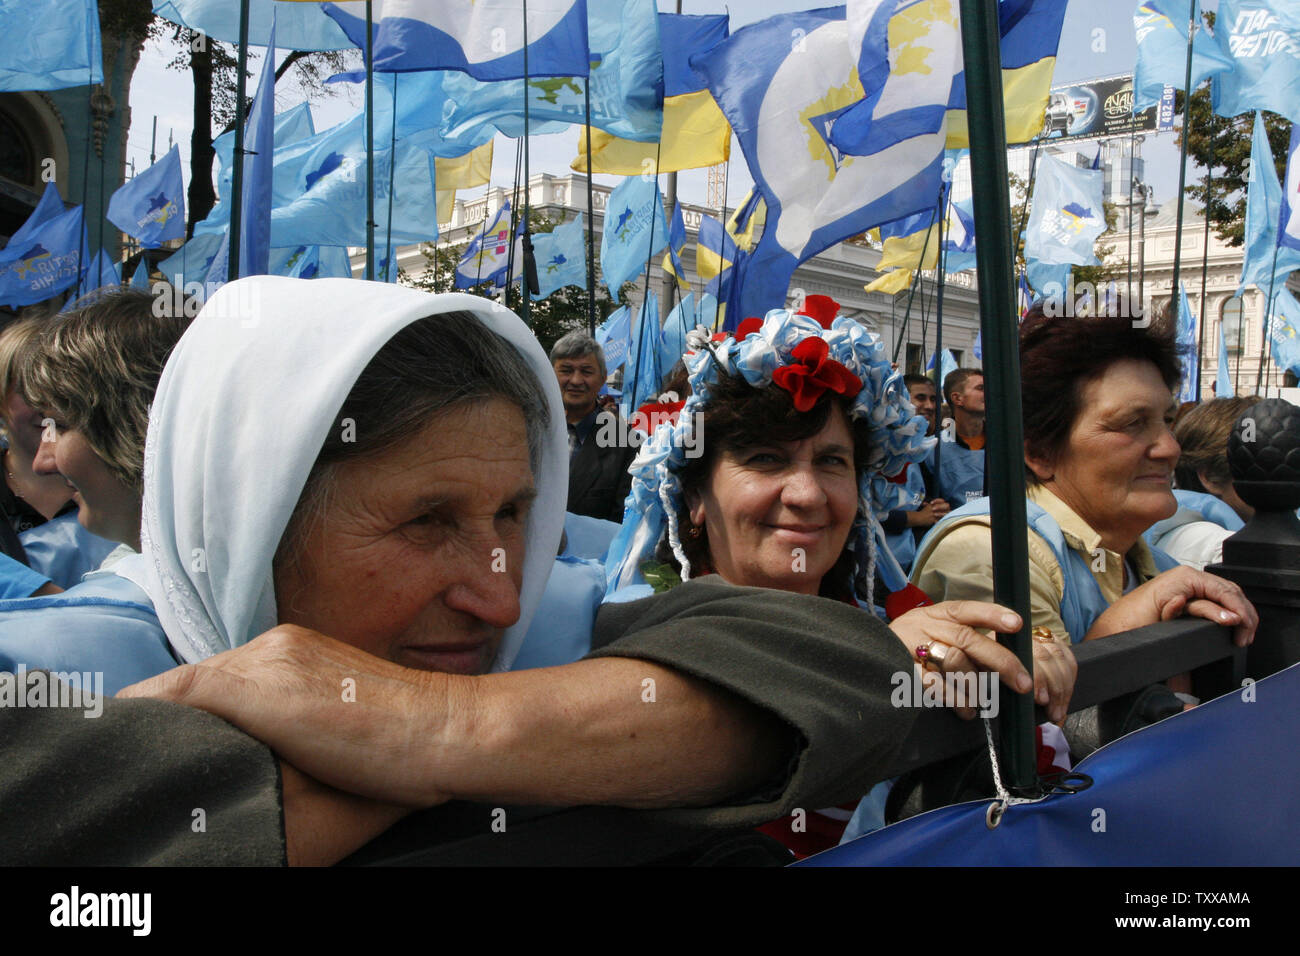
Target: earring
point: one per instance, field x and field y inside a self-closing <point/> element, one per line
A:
<point x="695" y="532"/>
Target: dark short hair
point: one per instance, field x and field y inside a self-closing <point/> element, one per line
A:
<point x="578" y="344"/>
<point x="956" y="380"/>
<point x="738" y="416"/>
<point x="1202" y="434"/>
<point x="912" y="378"/>
<point x="96" y="370"/>
<point x="1060" y="354"/>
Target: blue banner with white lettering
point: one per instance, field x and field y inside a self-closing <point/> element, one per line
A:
<point x="1262" y="39"/>
<point x="1213" y="786"/>
<point x="47" y="260"/>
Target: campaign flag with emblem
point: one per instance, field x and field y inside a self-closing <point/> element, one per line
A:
<point x="1187" y="339"/>
<point x="626" y="79"/>
<point x="485" y="259"/>
<point x="1266" y="263"/>
<point x="1031" y="33"/>
<point x="1067" y="214"/>
<point x="782" y="100"/>
<point x="1288" y="230"/>
<point x="1284" y="332"/>
<point x="151" y="207"/>
<point x="1262" y="39"/>
<point x="695" y="133"/>
<point x="46" y="261"/>
<point x="612" y="336"/>
<point x="1222" y="381"/>
<point x="561" y="257"/>
<point x="672" y="263"/>
<point x="49" y="45"/>
<point x="633" y="231"/>
<point x="484" y="39"/>
<point x="300" y="26"/>
<point x="1161" y="29"/>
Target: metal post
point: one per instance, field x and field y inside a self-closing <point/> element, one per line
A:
<point x="1004" y="456"/>
<point x="370" y="142"/>
<point x="1182" y="159"/>
<point x="591" y="221"/>
<point x="237" y="176"/>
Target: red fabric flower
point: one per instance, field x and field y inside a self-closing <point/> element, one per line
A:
<point x="908" y="599"/>
<point x="822" y="308"/>
<point x="812" y="373"/>
<point x="748" y="328"/>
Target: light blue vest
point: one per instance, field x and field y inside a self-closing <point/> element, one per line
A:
<point x="1082" y="603"/>
<point x="62" y="550"/>
<point x="902" y="544"/>
<point x="961" y="471"/>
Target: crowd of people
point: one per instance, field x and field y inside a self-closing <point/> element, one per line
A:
<point x="418" y="564"/>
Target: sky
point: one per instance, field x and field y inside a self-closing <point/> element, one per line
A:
<point x="1096" y="41"/>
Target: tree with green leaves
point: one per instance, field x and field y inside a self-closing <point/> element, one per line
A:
<point x="562" y="311"/>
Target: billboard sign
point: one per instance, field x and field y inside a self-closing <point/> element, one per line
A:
<point x="1095" y="109"/>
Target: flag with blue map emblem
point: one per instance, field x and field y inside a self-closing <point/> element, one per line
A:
<point x="1067" y="214"/>
<point x="1284" y="332"/>
<point x="783" y="99"/>
<point x="151" y="207"/>
<point x="612" y="336"/>
<point x="633" y="231"/>
<point x="561" y="257"/>
<point x="46" y="261"/>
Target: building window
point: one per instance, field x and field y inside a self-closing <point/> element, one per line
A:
<point x="1234" y="329"/>
<point x="16" y="162"/>
<point x="914" y="359"/>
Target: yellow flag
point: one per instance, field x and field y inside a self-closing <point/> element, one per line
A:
<point x="460" y="172"/>
<point x="695" y="134"/>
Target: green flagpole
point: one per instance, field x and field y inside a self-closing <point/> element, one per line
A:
<point x="370" y="142"/>
<point x="1182" y="158"/>
<point x="237" y="177"/>
<point x="1004" y="458"/>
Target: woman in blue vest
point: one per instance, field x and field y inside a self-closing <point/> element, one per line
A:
<point x="1097" y="398"/>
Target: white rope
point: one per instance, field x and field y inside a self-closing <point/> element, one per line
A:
<point x="993" y="816"/>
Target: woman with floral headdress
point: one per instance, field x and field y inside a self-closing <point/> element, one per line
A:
<point x="775" y="476"/>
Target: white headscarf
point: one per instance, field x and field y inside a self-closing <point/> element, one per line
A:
<point x="242" y="410"/>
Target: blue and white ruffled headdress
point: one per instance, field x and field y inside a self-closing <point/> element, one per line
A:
<point x="897" y="439"/>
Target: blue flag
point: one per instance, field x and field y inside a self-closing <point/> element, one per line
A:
<point x="311" y="262"/>
<point x="782" y="99"/>
<point x="1067" y="214"/>
<point x="140" y="278"/>
<point x="191" y="262"/>
<point x="947" y="365"/>
<point x="1288" y="227"/>
<point x="47" y="210"/>
<point x="485" y="39"/>
<point x="1262" y="39"/>
<point x="151" y="207"/>
<point x="49" y="45"/>
<point x="291" y="126"/>
<point x="486" y="257"/>
<point x="634" y="230"/>
<point x="627" y="83"/>
<point x="259" y="144"/>
<point x="672" y="339"/>
<point x="642" y="376"/>
<point x="1187" y="338"/>
<point x="613" y="337"/>
<point x="959" y="237"/>
<point x="1161" y="29"/>
<point x="103" y="273"/>
<point x="1049" y="280"/>
<point x="672" y="263"/>
<point x="1284" y="332"/>
<point x="46" y="262"/>
<point x="561" y="257"/>
<point x="978" y="348"/>
<point x="1222" y="381"/>
<point x="1264" y="204"/>
<point x="301" y="26"/>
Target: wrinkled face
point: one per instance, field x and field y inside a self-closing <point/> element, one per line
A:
<point x="971" y="395"/>
<point x="580" y="383"/>
<point x="778" y="516"/>
<point x="1117" y="468"/>
<point x="106" y="505"/>
<point x="418" y="558"/>
<point x="925" y="400"/>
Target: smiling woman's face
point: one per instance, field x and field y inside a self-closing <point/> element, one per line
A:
<point x="1117" y="468"/>
<point x="418" y="557"/>
<point x="778" y="516"/>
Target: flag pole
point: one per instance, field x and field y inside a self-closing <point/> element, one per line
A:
<point x="237" y="174"/>
<point x="392" y="182"/>
<point x="84" y="240"/>
<point x="944" y="197"/>
<point x="1182" y="159"/>
<point x="1268" y="316"/>
<point x="726" y="175"/>
<point x="530" y="263"/>
<point x="1004" y="456"/>
<point x="1205" y="268"/>
<point x="370" y="141"/>
<point x="591" y="219"/>
<point x="649" y="264"/>
<point x="916" y="279"/>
